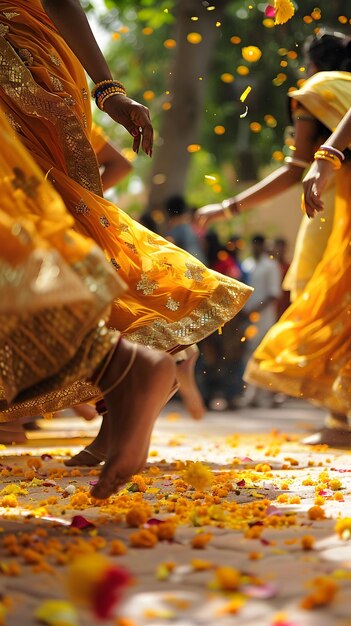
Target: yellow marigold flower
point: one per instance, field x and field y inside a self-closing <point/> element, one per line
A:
<point x="343" y="527"/>
<point x="136" y="517"/>
<point x="324" y="591"/>
<point x="307" y="542"/>
<point x="227" y="578"/>
<point x="165" y="531"/>
<point x="284" y="10"/>
<point x="143" y="539"/>
<point x="117" y="547"/>
<point x="201" y="540"/>
<point x="251" y="53"/>
<point x="9" y="501"/>
<point x="316" y="512"/>
<point x="335" y="484"/>
<point x="198" y="475"/>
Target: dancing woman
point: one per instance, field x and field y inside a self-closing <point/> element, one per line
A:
<point x="173" y="300"/>
<point x="303" y="354"/>
<point x="56" y="350"/>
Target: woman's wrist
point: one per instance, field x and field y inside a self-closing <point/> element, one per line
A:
<point x="229" y="208"/>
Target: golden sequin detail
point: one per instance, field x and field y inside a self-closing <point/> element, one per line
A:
<point x="123" y="228"/>
<point x="56" y="84"/>
<point x="11" y="119"/>
<point x="10" y="15"/>
<point x="55" y="60"/>
<point x="115" y="265"/>
<point x="82" y="208"/>
<point x="104" y="221"/>
<point x="131" y="247"/>
<point x="194" y="272"/>
<point x="172" y="305"/>
<point x="146" y="285"/>
<point x="3" y="30"/>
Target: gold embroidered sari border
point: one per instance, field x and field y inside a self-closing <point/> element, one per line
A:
<point x="26" y="95"/>
<point x="214" y="311"/>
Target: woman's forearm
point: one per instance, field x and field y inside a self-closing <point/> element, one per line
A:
<point x="273" y="185"/>
<point x="341" y="137"/>
<point x="72" y="24"/>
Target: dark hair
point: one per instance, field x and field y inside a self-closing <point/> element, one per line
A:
<point x="148" y="221"/>
<point x="213" y="247"/>
<point x="260" y="239"/>
<point x="280" y="241"/>
<point x="176" y="205"/>
<point x="329" y="51"/>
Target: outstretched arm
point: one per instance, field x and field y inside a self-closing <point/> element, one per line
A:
<point x="72" y="24"/>
<point x="274" y="184"/>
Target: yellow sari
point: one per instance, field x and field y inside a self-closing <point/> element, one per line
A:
<point x="56" y="290"/>
<point x="172" y="300"/>
<point x="307" y="353"/>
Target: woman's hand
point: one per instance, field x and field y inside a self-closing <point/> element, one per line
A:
<point x="210" y="213"/>
<point x="135" y="118"/>
<point x="313" y="185"/>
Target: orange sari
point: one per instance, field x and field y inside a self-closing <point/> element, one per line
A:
<point x="173" y="300"/>
<point x="56" y="290"/>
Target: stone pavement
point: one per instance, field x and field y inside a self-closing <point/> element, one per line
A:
<point x="233" y="523"/>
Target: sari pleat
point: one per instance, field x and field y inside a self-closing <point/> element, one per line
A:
<point x="56" y="290"/>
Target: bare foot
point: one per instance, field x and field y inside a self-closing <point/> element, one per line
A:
<point x="189" y="390"/>
<point x="95" y="452"/>
<point x="333" y="437"/>
<point x="86" y="411"/>
<point x="12" y="433"/>
<point x="132" y="408"/>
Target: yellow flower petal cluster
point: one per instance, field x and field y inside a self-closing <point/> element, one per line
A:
<point x="284" y="11"/>
<point x="198" y="475"/>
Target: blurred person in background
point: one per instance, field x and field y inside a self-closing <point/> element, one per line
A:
<point x="263" y="274"/>
<point x="279" y="254"/>
<point x="179" y="227"/>
<point x="221" y="364"/>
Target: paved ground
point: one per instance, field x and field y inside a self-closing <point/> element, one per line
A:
<point x="257" y="529"/>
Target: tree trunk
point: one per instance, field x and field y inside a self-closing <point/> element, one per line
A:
<point x="187" y="93"/>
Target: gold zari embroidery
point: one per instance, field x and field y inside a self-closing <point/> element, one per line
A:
<point x="18" y="83"/>
<point x="146" y="285"/>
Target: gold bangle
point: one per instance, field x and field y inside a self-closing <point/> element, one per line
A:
<point x="320" y="156"/>
<point x="111" y="82"/>
<point x="101" y="101"/>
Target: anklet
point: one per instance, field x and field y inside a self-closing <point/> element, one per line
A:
<point x="124" y="374"/>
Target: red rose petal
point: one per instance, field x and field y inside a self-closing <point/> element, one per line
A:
<point x="269" y="11"/>
<point x="78" y="521"/>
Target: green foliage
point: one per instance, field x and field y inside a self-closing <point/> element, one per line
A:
<point x="143" y="62"/>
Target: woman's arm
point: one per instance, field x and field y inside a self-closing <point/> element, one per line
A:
<point x="274" y="184"/>
<point x="72" y="24"/>
<point x="320" y="172"/>
<point x="115" y="166"/>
